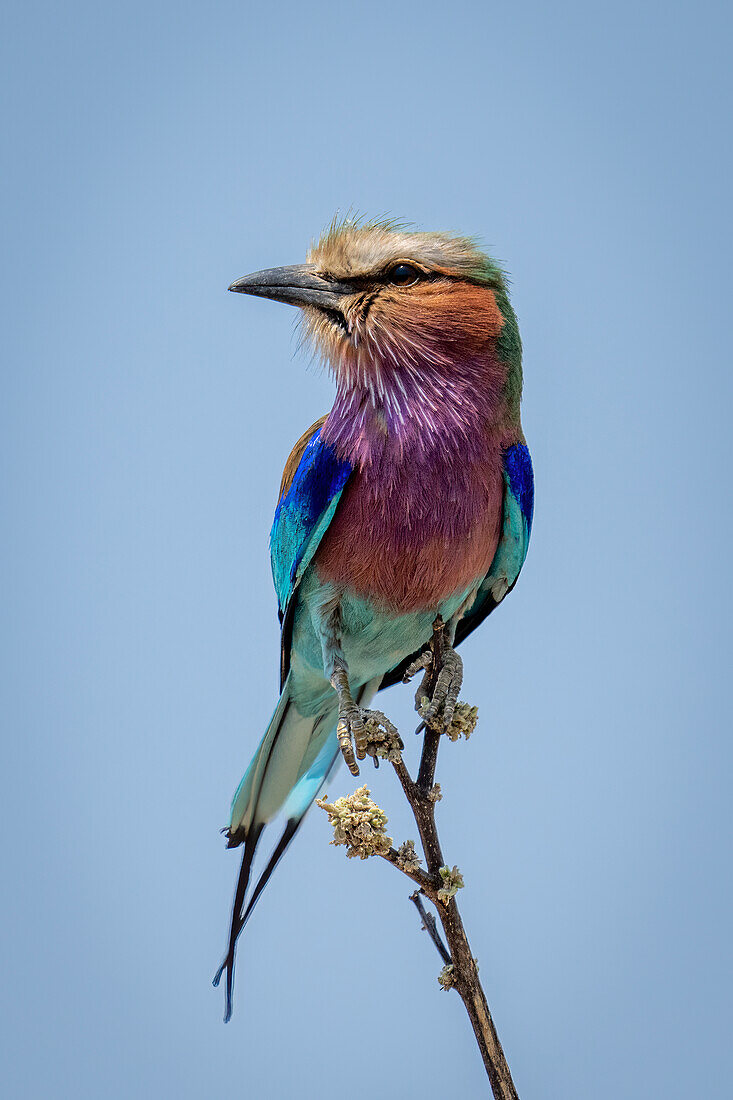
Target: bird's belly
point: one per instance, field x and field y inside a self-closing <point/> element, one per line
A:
<point x="373" y="639"/>
<point x="405" y="569"/>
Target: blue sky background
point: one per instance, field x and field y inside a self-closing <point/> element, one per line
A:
<point x="156" y="151"/>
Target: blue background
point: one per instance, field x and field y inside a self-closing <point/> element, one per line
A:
<point x="153" y="153"/>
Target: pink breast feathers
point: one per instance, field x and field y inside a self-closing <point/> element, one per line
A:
<point x="412" y="541"/>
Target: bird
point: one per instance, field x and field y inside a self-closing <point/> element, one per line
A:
<point x="411" y="499"/>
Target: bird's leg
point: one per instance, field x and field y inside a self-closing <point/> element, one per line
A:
<point x="437" y="694"/>
<point x="351" y="728"/>
<point x="350" y="720"/>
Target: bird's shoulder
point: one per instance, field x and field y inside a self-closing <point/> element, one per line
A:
<point x="295" y="456"/>
<point x="312" y="483"/>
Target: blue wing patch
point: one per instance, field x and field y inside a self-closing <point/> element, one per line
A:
<point x="516" y="523"/>
<point x="303" y="513"/>
<point x="518" y="471"/>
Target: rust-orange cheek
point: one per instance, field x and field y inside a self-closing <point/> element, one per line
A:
<point x="455" y="317"/>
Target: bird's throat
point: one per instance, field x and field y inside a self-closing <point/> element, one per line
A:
<point x="390" y="418"/>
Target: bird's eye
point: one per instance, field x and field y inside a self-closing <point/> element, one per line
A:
<point x="404" y="275"/>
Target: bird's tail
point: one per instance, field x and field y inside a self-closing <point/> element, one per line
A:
<point x="291" y="765"/>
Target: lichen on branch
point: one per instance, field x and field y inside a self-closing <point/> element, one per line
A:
<point x="452" y="883"/>
<point x="447" y="977"/>
<point x="407" y="858"/>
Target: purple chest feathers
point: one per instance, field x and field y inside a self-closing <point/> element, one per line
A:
<point x="413" y="529"/>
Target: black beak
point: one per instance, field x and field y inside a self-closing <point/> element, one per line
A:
<point x="298" y="285"/>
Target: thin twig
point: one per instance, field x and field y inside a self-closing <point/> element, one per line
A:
<point x="431" y="739"/>
<point x="428" y="923"/>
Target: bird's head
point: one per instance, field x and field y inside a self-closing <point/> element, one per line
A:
<point x="392" y="310"/>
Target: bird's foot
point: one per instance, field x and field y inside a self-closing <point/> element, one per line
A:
<point x="437" y="708"/>
<point x="368" y="733"/>
<point x="361" y="731"/>
<point x="422" y="663"/>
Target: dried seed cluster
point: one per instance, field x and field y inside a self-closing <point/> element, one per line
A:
<point x="359" y="824"/>
<point x="383" y="740"/>
<point x="464" y="722"/>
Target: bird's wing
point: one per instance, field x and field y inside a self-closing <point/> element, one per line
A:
<point x="518" y="508"/>
<point x="513" y="542"/>
<point x="313" y="481"/>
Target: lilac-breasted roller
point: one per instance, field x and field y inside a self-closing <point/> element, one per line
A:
<point x="412" y="498"/>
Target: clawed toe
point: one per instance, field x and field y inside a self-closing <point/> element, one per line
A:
<point x="351" y="733"/>
<point x="422" y="661"/>
<point x="364" y="733"/>
<point x="438" y="711"/>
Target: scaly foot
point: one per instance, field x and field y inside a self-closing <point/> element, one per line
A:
<point x="445" y="696"/>
<point x="351" y="728"/>
<point x="437" y="709"/>
<point x="422" y="663"/>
